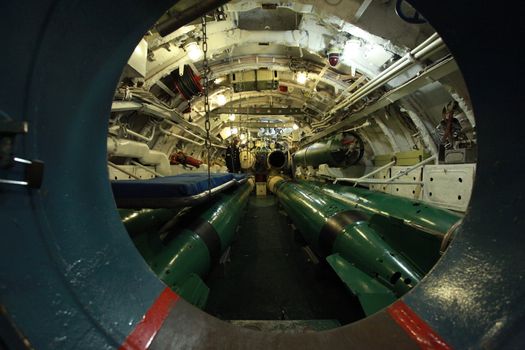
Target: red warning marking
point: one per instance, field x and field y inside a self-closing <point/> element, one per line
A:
<point x="416" y="328"/>
<point x="142" y="336"/>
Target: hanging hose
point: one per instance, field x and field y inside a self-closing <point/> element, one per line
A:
<point x="181" y="158"/>
<point x="188" y="84"/>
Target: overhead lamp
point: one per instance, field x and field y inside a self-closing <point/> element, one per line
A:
<point x="231" y="117"/>
<point x="234" y="131"/>
<point x="301" y="77"/>
<point x="221" y="99"/>
<point x="352" y="49"/>
<point x="295" y="126"/>
<point x="194" y="51"/>
<point x="334" y="54"/>
<point x="226" y="132"/>
<point x="242" y="136"/>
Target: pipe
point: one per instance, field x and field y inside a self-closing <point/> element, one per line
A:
<point x="338" y="99"/>
<point x="337" y="231"/>
<point x="140" y="136"/>
<point x="141" y="151"/>
<point x="430" y="46"/>
<point x="330" y="152"/>
<point x="115" y="166"/>
<point x="146" y="169"/>
<point x="180" y="137"/>
<point x="273" y="181"/>
<point x="124" y="106"/>
<point x="412" y="168"/>
<point x="372" y="173"/>
<point x="276" y="159"/>
<point x="403" y="66"/>
<point x="156" y="110"/>
<point x="381" y="182"/>
<point x="133" y="133"/>
<point x="171" y="116"/>
<point x="169" y="133"/>
<point x="431" y="73"/>
<point x="364" y="179"/>
<point x="181" y="158"/>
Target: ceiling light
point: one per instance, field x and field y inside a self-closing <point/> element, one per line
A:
<point x="194" y="51"/>
<point x="352" y="50"/>
<point x="242" y="136"/>
<point x="221" y="99"/>
<point x="234" y="131"/>
<point x="295" y="126"/>
<point x="231" y="117"/>
<point x="217" y="81"/>
<point x="226" y="132"/>
<point x="301" y="77"/>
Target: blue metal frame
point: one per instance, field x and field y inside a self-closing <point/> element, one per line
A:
<point x="69" y="276"/>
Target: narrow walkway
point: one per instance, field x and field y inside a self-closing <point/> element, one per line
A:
<point x="270" y="277"/>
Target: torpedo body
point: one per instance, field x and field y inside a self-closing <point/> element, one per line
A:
<point x="343" y="236"/>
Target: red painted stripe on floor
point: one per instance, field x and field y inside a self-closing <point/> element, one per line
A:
<point x="142" y="336"/>
<point x="416" y="328"/>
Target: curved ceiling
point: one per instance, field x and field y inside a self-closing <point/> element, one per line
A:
<point x="288" y="38"/>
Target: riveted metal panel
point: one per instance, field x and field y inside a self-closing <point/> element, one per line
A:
<point x="407" y="191"/>
<point x="449" y="186"/>
<point x="115" y="174"/>
<point x="382" y="175"/>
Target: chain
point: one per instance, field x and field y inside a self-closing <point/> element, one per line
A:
<point x="205" y="78"/>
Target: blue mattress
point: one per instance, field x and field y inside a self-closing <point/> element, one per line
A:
<point x="177" y="186"/>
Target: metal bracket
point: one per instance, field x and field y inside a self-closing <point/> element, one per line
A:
<point x="13" y="127"/>
<point x="34" y="169"/>
<point x="33" y="174"/>
<point x="8" y="130"/>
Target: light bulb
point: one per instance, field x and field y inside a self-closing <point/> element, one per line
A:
<point x="242" y="136"/>
<point x="231" y="117"/>
<point x="234" y="131"/>
<point x="352" y="50"/>
<point x="194" y="51"/>
<point x="295" y="126"/>
<point x="221" y="99"/>
<point x="301" y="77"/>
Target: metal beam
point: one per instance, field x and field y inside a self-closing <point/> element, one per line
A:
<point x="146" y="169"/>
<point x="366" y="176"/>
<point x="176" y="117"/>
<point x="361" y="10"/>
<point x="186" y="15"/>
<point x="165" y="88"/>
<point x="260" y="111"/>
<point x="259" y="125"/>
<point x="119" y="168"/>
<point x="431" y="75"/>
<point x="388" y="133"/>
<point x="124" y="106"/>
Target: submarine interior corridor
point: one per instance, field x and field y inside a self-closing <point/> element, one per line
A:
<point x="252" y="174"/>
